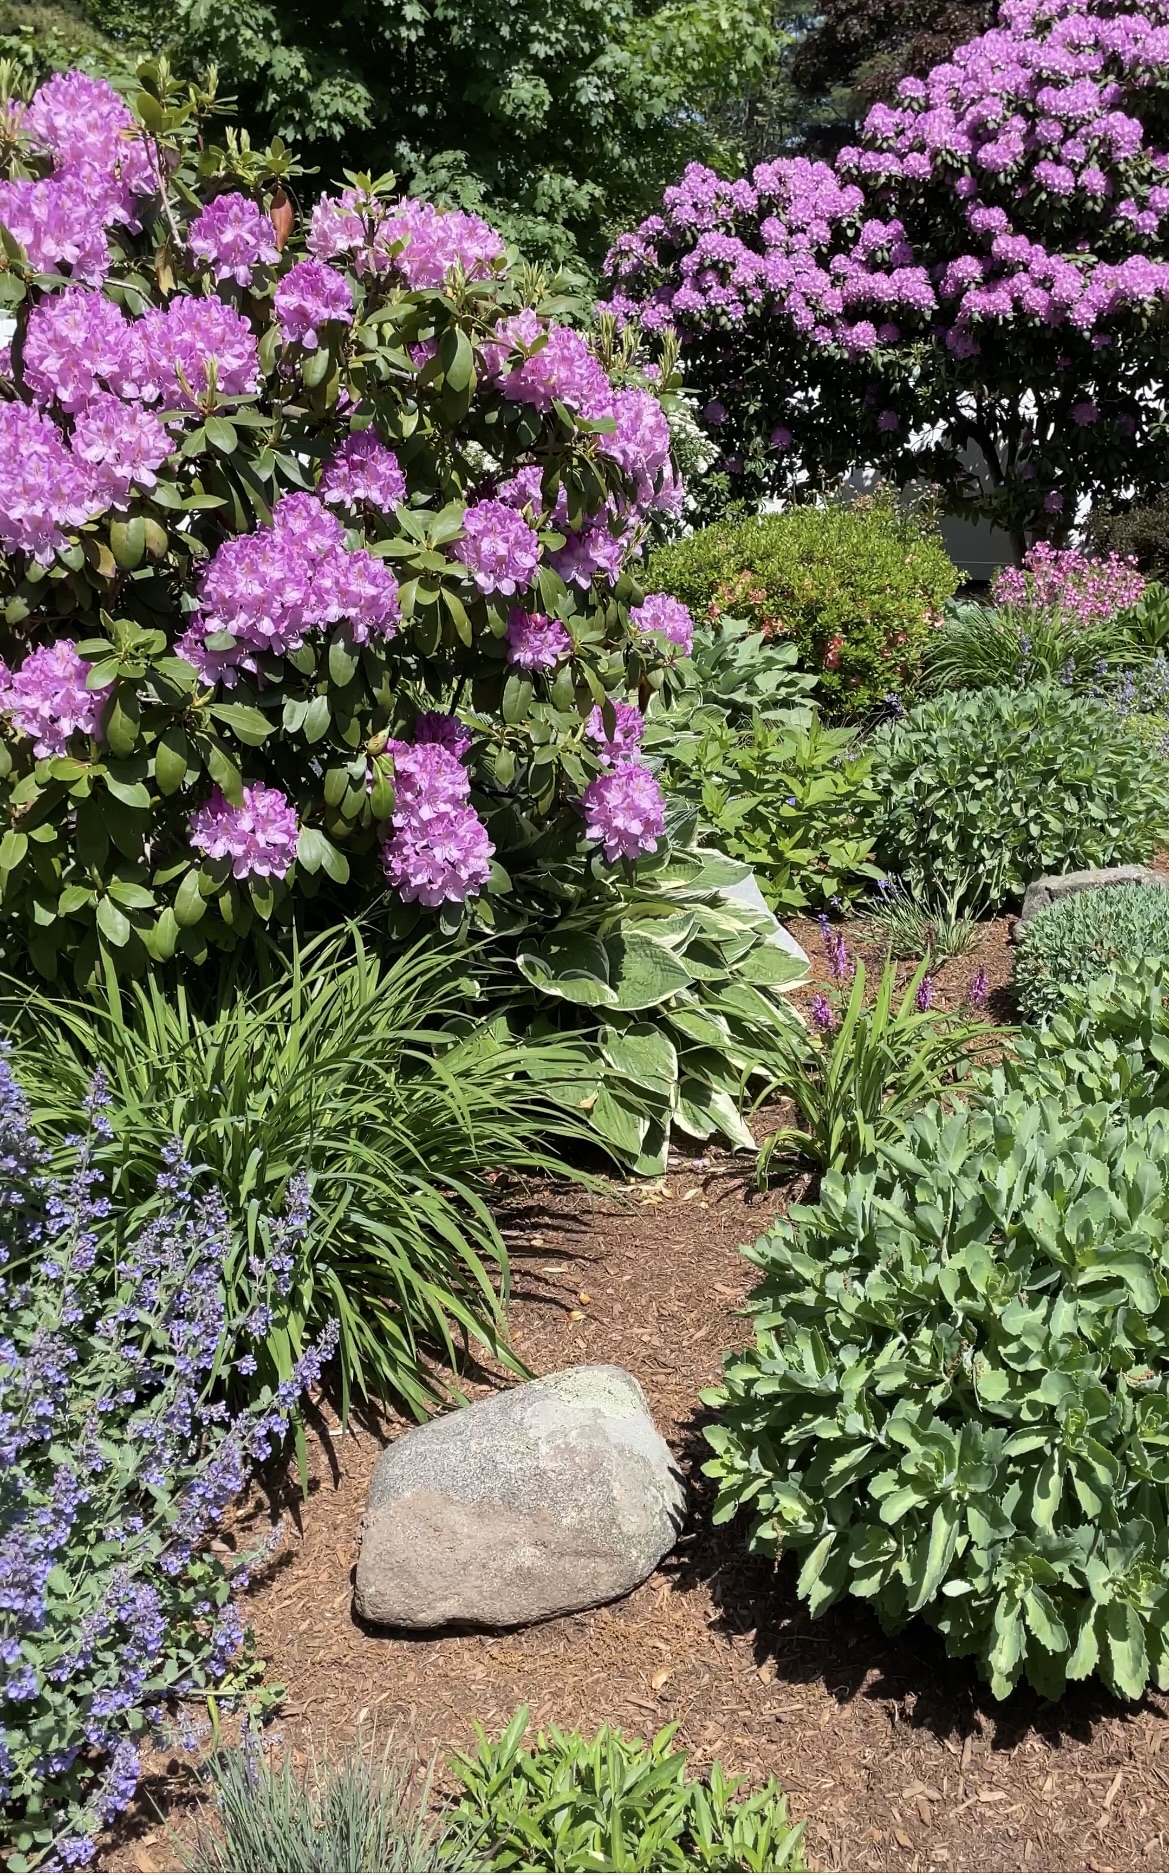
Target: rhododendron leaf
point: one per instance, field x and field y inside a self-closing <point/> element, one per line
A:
<point x="248" y="723"/>
<point x="113" y="923"/>
<point x="222" y="435"/>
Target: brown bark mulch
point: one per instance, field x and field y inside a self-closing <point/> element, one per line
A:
<point x="897" y="1758"/>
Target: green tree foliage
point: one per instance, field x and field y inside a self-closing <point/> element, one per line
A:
<point x="559" y="123"/>
<point x="858" y="51"/>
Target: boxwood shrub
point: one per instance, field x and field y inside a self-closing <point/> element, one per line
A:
<point x="956" y="1404"/>
<point x="1074" y="940"/>
<point x="857" y="589"/>
<point x="982" y="792"/>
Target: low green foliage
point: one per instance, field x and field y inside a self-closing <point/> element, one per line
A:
<point x="956" y="1402"/>
<point x="1074" y="940"/>
<point x="612" y="1802"/>
<point x="359" y="1812"/>
<point x="857" y="1080"/>
<point x="996" y="647"/>
<point x="857" y="589"/>
<point x="789" y="797"/>
<point x="667" y="999"/>
<point x="733" y="674"/>
<point x="996" y="787"/>
<point x="345" y="1068"/>
<point x="912" y="927"/>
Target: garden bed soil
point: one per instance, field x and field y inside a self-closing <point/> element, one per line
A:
<point x="896" y="1757"/>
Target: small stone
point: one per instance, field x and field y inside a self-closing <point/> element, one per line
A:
<point x="1053" y="885"/>
<point x="551" y="1497"/>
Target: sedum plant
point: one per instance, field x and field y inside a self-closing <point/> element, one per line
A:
<point x="116" y="1466"/>
<point x="318" y="552"/>
<point x="955" y="1406"/>
<point x="612" y="1802"/>
<point x="1074" y="940"/>
<point x="984" y="792"/>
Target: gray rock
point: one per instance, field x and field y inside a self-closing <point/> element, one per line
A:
<point x="1055" y="885"/>
<point x="554" y="1496"/>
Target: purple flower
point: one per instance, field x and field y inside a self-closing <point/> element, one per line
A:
<point x="310" y="295"/>
<point x="121" y="447"/>
<point x="43" y="488"/>
<point x="75" y="346"/>
<point x="924" y="995"/>
<point x="47" y="699"/>
<point x="659" y="613"/>
<point x="822" y="1011"/>
<point x="176" y="353"/>
<point x="628" y="728"/>
<point x="624" y="810"/>
<point x="258" y="835"/>
<point x="363" y="473"/>
<point x="979" y="989"/>
<point x="448" y="731"/>
<point x="444" y="857"/>
<point x="498" y="548"/>
<point x="535" y="642"/>
<point x="234" y="236"/>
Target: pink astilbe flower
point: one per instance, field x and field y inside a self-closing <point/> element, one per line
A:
<point x="175" y="352"/>
<point x="43" y="488"/>
<point x="47" y="698"/>
<point x="258" y="835"/>
<point x="75" y="346"/>
<point x="120" y="446"/>
<point x="625" y="811"/>
<point x="498" y="547"/>
<point x="234" y="236"/>
<point x="363" y="473"/>
<point x="659" y="613"/>
<point x="628" y="729"/>
<point x="447" y="731"/>
<point x="535" y="642"/>
<point x="309" y="296"/>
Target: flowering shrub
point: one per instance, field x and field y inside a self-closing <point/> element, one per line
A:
<point x="983" y="271"/>
<point x="116" y="1468"/>
<point x="857" y="589"/>
<point x="315" y="565"/>
<point x="982" y="792"/>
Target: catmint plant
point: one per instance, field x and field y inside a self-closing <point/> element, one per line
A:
<point x="117" y="1459"/>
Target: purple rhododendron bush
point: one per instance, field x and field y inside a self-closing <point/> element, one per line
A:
<point x="320" y="553"/>
<point x="984" y="273"/>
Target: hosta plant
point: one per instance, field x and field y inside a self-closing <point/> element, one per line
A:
<point x="612" y="1802"/>
<point x="957" y="1402"/>
<point x="318" y="551"/>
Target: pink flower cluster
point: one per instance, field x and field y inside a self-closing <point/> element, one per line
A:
<point x="625" y="811"/>
<point x="659" y="613"/>
<point x="234" y="237"/>
<point x="258" y="834"/>
<point x="499" y="549"/>
<point x="363" y="474"/>
<point x="45" y="491"/>
<point x="628" y="729"/>
<point x="601" y="546"/>
<point x="536" y="642"/>
<point x="1054" y="580"/>
<point x="79" y="342"/>
<point x="101" y="168"/>
<point x="121" y="447"/>
<point x="47" y="699"/>
<point x="309" y="295"/>
<point x="420" y="242"/>
<point x="269" y="589"/>
<point x="438" y="851"/>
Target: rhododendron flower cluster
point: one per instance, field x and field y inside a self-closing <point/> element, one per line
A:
<point x="1061" y="580"/>
<point x="121" y="447"/>
<point x="363" y="473"/>
<point x="1009" y="212"/>
<point x="625" y="811"/>
<point x="439" y="850"/>
<point x="258" y="834"/>
<point x="269" y="589"/>
<point x="660" y="613"/>
<point x="535" y="642"/>
<point x="234" y="236"/>
<point x="308" y="297"/>
<point x="44" y="492"/>
<point x="413" y="239"/>
<point x="498" y="547"/>
<point x="48" y="699"/>
<point x="628" y="728"/>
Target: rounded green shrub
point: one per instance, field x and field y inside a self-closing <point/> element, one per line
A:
<point x="984" y="791"/>
<point x="858" y="590"/>
<point x="1076" y="939"/>
<point x="956" y="1404"/>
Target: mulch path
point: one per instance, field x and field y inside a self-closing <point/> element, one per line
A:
<point x="896" y="1757"/>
